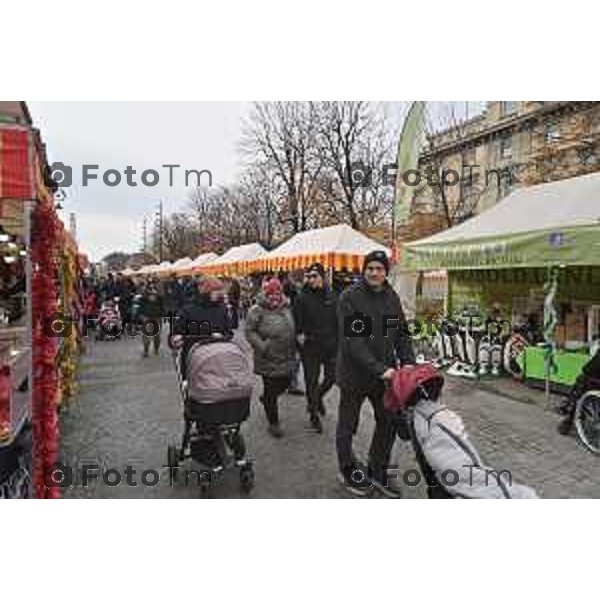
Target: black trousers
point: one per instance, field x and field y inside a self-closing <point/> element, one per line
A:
<point x="273" y="387"/>
<point x="312" y="361"/>
<point x="351" y="401"/>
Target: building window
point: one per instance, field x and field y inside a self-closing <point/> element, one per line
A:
<point x="508" y="107"/>
<point x="551" y="133"/>
<point x="506" y="146"/>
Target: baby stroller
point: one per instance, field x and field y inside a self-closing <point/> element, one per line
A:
<point x="216" y="397"/>
<point x="109" y="325"/>
<point x="449" y="462"/>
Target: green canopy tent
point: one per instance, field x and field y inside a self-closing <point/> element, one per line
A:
<point x="505" y="253"/>
<point x="550" y="223"/>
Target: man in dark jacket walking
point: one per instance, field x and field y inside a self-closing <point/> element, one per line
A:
<point x="373" y="340"/>
<point x="151" y="312"/>
<point x="315" y="316"/>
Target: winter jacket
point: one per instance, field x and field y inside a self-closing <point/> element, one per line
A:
<point x="151" y="308"/>
<point x="271" y="333"/>
<point x="192" y="322"/>
<point x="194" y="317"/>
<point x="362" y="359"/>
<point x="315" y="315"/>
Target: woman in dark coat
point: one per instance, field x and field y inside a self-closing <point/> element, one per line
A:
<point x="200" y="318"/>
<point x="270" y="331"/>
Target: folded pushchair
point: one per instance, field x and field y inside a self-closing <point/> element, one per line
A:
<point x="216" y="401"/>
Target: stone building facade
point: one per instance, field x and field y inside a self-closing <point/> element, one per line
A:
<point x="510" y="144"/>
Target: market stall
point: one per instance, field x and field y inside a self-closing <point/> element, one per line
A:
<point x="39" y="281"/>
<point x="180" y="266"/>
<point x="337" y="247"/>
<point x="16" y="189"/>
<point x="164" y="269"/>
<point x="501" y="261"/>
<point x="238" y="260"/>
<point x="197" y="264"/>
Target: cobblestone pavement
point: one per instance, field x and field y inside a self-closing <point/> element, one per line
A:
<point x="129" y="409"/>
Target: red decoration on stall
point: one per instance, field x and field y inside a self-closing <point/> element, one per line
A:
<point x="46" y="230"/>
<point x="16" y="173"/>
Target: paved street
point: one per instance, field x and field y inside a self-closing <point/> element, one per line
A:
<point x="129" y="409"/>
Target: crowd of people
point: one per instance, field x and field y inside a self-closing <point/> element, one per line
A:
<point x="288" y="322"/>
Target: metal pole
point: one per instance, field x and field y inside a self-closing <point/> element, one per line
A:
<point x="144" y="237"/>
<point x="160" y="231"/>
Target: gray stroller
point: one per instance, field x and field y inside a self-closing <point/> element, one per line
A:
<point x="216" y="397"/>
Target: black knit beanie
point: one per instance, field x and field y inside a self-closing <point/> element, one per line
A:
<point x="318" y="267"/>
<point x="377" y="256"/>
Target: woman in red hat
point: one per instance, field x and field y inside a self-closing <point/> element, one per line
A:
<point x="270" y="331"/>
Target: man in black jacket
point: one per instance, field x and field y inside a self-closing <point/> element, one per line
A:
<point x="315" y="315"/>
<point x="151" y="312"/>
<point x="373" y="340"/>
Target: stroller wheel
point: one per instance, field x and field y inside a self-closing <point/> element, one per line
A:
<point x="246" y="479"/>
<point x="204" y="487"/>
<point x="238" y="446"/>
<point x="173" y="459"/>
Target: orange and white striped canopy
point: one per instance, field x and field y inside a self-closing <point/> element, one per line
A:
<point x="337" y="247"/>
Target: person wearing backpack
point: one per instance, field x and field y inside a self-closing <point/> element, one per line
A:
<point x="270" y="330"/>
<point x="368" y="355"/>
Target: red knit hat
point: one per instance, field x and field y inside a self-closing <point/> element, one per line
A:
<point x="272" y="286"/>
<point x="210" y="284"/>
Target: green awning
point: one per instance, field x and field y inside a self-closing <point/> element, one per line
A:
<point x="536" y="226"/>
<point x="567" y="246"/>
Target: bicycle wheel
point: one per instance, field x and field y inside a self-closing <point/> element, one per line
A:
<point x="587" y="420"/>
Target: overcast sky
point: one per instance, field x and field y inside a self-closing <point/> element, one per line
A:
<point x="143" y="135"/>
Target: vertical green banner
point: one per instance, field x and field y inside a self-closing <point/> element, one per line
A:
<point x="409" y="147"/>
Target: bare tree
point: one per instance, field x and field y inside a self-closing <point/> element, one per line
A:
<point x="263" y="200"/>
<point x="178" y="236"/>
<point x="282" y="136"/>
<point x="355" y="145"/>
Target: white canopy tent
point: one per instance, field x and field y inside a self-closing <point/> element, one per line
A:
<point x="549" y="223"/>
<point x="338" y="246"/>
<point x="180" y="265"/>
<point x="235" y="260"/>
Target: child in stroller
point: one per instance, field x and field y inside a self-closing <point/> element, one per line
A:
<point x="216" y="396"/>
<point x="109" y="324"/>
<point x="451" y="465"/>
